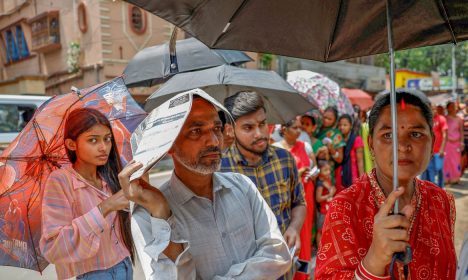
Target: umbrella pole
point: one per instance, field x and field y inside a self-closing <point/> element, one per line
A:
<point x="174" y="67"/>
<point x="402" y="257"/>
<point x="393" y="105"/>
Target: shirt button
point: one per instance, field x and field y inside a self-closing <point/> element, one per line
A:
<point x="223" y="235"/>
<point x="116" y="242"/>
<point x="113" y="226"/>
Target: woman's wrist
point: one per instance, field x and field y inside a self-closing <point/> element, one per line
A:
<point x="103" y="208"/>
<point x="372" y="265"/>
<point x="362" y="273"/>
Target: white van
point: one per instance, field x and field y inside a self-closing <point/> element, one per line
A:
<point x="15" y="113"/>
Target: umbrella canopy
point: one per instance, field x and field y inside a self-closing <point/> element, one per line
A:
<point x="282" y="101"/>
<point x="315" y="29"/>
<point x="37" y="151"/>
<point x="321" y="90"/>
<point x="441" y="99"/>
<point x="359" y="97"/>
<point x="152" y="65"/>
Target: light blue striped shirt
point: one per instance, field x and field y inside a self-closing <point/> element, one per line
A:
<point x="235" y="236"/>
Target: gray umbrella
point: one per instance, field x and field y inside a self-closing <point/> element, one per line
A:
<point x="282" y="101"/>
<point x="152" y="65"/>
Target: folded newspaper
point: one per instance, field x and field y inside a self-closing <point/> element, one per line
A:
<point x="155" y="135"/>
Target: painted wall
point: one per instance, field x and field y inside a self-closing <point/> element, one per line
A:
<point x="105" y="48"/>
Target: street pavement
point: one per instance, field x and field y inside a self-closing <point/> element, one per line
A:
<point x="460" y="193"/>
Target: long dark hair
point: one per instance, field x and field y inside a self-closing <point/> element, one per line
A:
<point x="81" y="120"/>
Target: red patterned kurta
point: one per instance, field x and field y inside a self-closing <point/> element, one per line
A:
<point x="348" y="227"/>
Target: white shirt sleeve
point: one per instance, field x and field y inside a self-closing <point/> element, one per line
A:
<point x="151" y="237"/>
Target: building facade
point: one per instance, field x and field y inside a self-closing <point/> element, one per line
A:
<point x="47" y="46"/>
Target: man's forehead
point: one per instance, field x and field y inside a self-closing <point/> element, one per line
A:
<point x="202" y="111"/>
<point x="200" y="104"/>
<point x="255" y="117"/>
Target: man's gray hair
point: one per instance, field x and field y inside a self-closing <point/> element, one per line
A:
<point x="243" y="103"/>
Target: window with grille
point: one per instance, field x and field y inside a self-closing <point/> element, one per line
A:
<point x="15" y="43"/>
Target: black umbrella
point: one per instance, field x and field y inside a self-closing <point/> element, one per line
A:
<point x="282" y="101"/>
<point x="320" y="30"/>
<point x="154" y="65"/>
<point x="315" y="29"/>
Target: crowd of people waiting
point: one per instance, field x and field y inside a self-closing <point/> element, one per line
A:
<point x="336" y="145"/>
<point x="244" y="197"/>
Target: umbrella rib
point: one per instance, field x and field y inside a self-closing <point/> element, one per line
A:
<point x="19" y="158"/>
<point x="31" y="240"/>
<point x="447" y="20"/>
<point x="187" y="21"/>
<point x="334" y="31"/>
<point x="21" y="181"/>
<point x="39" y="134"/>
<point x="244" y="2"/>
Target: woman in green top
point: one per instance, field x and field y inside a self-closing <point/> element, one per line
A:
<point x="310" y="125"/>
<point x="331" y="136"/>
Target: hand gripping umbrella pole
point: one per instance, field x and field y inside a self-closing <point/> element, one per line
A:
<point x="402" y="257"/>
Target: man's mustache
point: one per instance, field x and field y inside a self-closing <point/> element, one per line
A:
<point x="258" y="140"/>
<point x="210" y="151"/>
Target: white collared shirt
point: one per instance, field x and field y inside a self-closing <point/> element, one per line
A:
<point x="235" y="236"/>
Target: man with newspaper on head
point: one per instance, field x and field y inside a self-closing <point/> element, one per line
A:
<point x="203" y="224"/>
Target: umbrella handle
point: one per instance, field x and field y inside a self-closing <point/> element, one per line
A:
<point x="404" y="258"/>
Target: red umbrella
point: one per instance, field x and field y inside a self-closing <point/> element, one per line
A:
<point x="359" y="97"/>
<point x="38" y="150"/>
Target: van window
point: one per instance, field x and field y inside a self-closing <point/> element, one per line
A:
<point x="13" y="118"/>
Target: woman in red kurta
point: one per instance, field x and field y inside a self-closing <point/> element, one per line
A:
<point x="360" y="234"/>
<point x="304" y="157"/>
